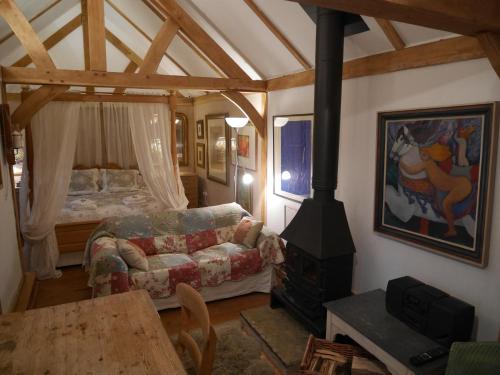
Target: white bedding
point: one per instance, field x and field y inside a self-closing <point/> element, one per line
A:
<point x="97" y="206"/>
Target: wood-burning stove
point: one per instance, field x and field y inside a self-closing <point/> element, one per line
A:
<point x="320" y="249"/>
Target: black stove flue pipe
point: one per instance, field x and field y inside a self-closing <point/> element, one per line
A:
<point x="327" y="102"/>
<point x="320" y="226"/>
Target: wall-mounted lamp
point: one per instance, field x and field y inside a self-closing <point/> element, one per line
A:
<point x="236" y="122"/>
<point x="279" y="122"/>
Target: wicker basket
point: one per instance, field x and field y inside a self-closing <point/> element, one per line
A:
<point x="328" y="358"/>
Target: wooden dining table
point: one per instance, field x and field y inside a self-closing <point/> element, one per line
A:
<point x="117" y="334"/>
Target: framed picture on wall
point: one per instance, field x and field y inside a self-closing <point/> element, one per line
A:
<point x="244" y="194"/>
<point x="292" y="149"/>
<point x="200" y="130"/>
<point x="435" y="176"/>
<point x="218" y="148"/>
<point x="245" y="141"/>
<point x="200" y="155"/>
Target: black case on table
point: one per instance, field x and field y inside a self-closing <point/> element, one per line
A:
<point x="429" y="311"/>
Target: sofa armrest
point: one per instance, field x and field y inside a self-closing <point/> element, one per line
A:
<point x="108" y="271"/>
<point x="270" y="246"/>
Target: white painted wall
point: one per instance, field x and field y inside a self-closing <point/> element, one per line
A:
<point x="380" y="259"/>
<point x="217" y="192"/>
<point x="10" y="264"/>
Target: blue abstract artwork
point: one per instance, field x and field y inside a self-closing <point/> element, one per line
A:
<point x="296" y="157"/>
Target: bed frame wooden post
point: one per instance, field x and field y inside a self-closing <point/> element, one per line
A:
<point x="25" y="93"/>
<point x="172" y="102"/>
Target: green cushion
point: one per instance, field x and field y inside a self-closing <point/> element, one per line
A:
<point x="474" y="358"/>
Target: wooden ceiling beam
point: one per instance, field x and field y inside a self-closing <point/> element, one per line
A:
<point x="35" y="17"/>
<point x="278" y="34"/>
<point x="95" y="33"/>
<point x="140" y="31"/>
<point x="25" y="33"/>
<point x="158" y="47"/>
<point x="34" y="102"/>
<point x="40" y="57"/>
<point x="123" y="48"/>
<point x="467" y="17"/>
<point x="200" y="38"/>
<point x="127" y="80"/>
<point x="441" y="52"/>
<point x="391" y="33"/>
<point x="52" y="40"/>
<point x="491" y="45"/>
<point x="107" y="97"/>
<point x="244" y="105"/>
<point x="186" y="40"/>
<point x="131" y="68"/>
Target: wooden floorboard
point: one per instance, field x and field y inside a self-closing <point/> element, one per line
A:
<point x="72" y="287"/>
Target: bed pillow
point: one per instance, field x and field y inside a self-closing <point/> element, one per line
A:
<point x="84" y="181"/>
<point x="247" y="232"/>
<point x="132" y="254"/>
<point x="115" y="180"/>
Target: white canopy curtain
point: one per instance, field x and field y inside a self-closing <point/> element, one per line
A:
<point x="117" y="136"/>
<point x="150" y="130"/>
<point x="89" y="149"/>
<point x="54" y="131"/>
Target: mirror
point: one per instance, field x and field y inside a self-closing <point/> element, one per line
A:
<point x="181" y="126"/>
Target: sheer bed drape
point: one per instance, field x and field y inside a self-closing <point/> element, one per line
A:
<point x="150" y="130"/>
<point x="54" y="129"/>
<point x="144" y="129"/>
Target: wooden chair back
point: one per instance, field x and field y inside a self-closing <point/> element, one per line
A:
<point x="193" y="307"/>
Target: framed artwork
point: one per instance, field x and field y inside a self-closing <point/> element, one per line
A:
<point x="218" y="148"/>
<point x="290" y="213"/>
<point x="247" y="146"/>
<point x="181" y="129"/>
<point x="200" y="155"/>
<point x="244" y="194"/>
<point x="435" y="176"/>
<point x="200" y="130"/>
<point x="292" y="148"/>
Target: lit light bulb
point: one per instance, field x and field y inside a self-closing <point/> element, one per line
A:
<point x="247" y="178"/>
<point x="286" y="175"/>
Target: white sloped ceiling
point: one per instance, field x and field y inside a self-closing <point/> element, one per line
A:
<point x="231" y="23"/>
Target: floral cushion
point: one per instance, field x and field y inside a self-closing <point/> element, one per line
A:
<point x="132" y="254"/>
<point x="247" y="232"/>
<point x="115" y="180"/>
<point x="84" y="181"/>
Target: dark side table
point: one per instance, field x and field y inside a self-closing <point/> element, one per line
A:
<point x="363" y="318"/>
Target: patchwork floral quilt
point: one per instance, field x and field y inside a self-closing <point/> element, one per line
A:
<point x="191" y="246"/>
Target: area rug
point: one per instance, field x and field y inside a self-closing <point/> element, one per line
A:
<point x="282" y="337"/>
<point x="237" y="353"/>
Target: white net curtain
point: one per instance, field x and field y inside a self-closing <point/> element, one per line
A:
<point x="74" y="133"/>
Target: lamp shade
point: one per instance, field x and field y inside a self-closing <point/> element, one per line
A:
<point x="236" y="122"/>
<point x="279" y="122"/>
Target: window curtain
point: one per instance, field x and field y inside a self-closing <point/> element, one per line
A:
<point x="117" y="136"/>
<point x="150" y="129"/>
<point x="89" y="148"/>
<point x="54" y="130"/>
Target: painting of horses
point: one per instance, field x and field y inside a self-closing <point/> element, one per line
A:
<point x="435" y="175"/>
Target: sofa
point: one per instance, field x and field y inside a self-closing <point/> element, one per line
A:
<point x="191" y="246"/>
